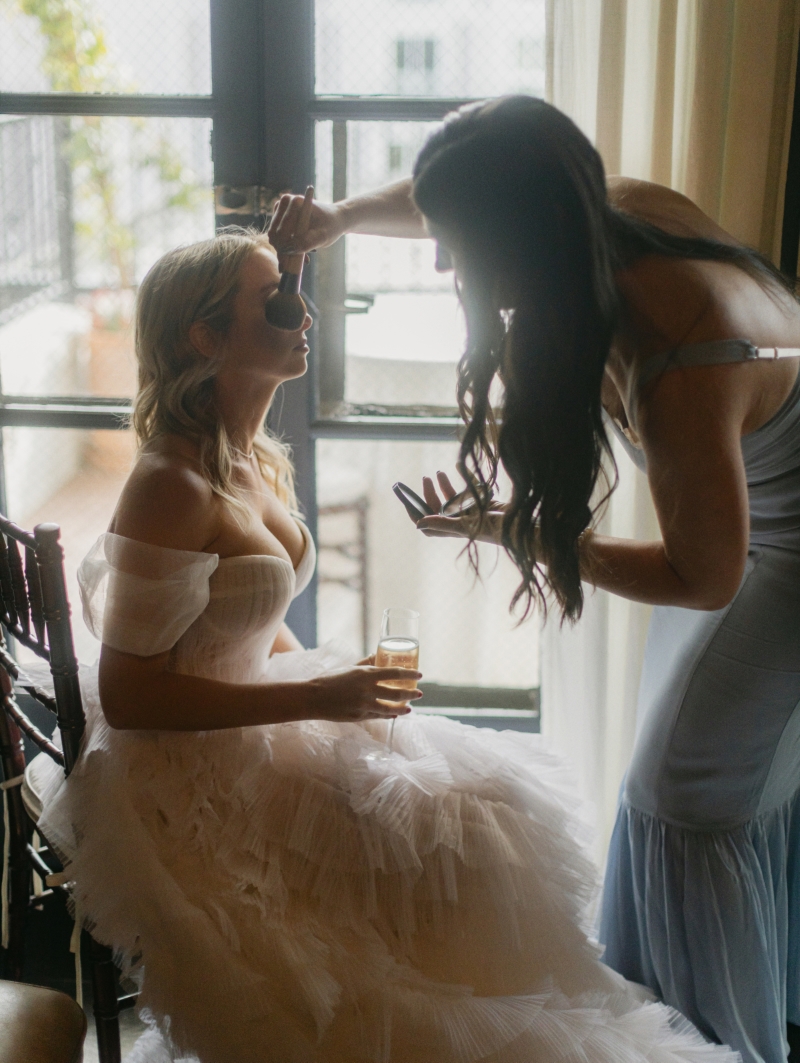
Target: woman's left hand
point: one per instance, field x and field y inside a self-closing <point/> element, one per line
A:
<point x="461" y="526"/>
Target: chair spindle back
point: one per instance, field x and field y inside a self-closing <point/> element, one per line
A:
<point x="34" y="609"/>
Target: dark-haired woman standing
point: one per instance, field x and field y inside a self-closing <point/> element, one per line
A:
<point x="631" y="299"/>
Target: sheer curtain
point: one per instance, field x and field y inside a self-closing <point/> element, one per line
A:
<point x="694" y="94"/>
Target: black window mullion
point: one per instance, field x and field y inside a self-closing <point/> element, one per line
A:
<point x="237" y="78"/>
<point x="289" y="165"/>
<point x="262" y="63"/>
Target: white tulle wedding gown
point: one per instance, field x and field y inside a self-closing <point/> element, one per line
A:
<point x="296" y="892"/>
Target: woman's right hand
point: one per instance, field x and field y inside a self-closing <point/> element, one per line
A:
<point x="360" y="694"/>
<point x="326" y="223"/>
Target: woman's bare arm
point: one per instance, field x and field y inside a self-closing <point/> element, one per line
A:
<point x="691" y="428"/>
<point x="139" y="693"/>
<point x="388" y="211"/>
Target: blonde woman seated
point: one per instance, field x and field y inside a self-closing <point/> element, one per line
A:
<point x="283" y="887"/>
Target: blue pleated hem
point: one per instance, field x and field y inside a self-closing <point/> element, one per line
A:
<point x="710" y="921"/>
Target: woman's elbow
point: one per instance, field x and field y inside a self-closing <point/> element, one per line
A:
<point x="712" y="601"/>
<point x="717" y="592"/>
<point x="121" y="694"/>
<point x="118" y="709"/>
<point x="710" y="588"/>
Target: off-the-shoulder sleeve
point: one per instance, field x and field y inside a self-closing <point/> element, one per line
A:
<point x="139" y="598"/>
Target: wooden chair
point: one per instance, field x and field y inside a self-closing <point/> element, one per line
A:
<point x="39" y="1025"/>
<point x="35" y="611"/>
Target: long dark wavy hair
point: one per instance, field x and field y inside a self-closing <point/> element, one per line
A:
<point x="522" y="193"/>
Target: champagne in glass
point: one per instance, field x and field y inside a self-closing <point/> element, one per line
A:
<point x="399" y="648"/>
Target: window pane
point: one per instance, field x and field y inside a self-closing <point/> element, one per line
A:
<point x="402" y="330"/>
<point x="467" y="636"/>
<point x="467" y="48"/>
<point x="73" y="478"/>
<point x="86" y="206"/>
<point x="118" y="46"/>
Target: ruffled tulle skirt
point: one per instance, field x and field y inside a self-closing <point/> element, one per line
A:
<point x="299" y="892"/>
<point x="710" y="921"/>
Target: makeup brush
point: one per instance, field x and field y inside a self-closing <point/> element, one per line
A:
<point x="285" y="308"/>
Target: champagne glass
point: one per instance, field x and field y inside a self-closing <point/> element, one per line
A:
<point x="398" y="647"/>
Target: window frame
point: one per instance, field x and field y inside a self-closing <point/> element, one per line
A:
<point x="264" y="111"/>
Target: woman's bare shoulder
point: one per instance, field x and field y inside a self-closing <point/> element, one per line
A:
<point x="664" y="208"/>
<point x="167" y="502"/>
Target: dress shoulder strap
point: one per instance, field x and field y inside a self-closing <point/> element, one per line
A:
<point x="715" y="352"/>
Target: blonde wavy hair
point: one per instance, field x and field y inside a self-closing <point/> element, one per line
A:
<point x="193" y="284"/>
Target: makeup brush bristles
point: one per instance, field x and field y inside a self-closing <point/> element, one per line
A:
<point x="285" y="310"/>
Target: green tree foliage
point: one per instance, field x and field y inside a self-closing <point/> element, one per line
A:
<point x="76" y="59"/>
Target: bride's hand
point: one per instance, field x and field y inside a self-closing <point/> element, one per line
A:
<point x="462" y="526"/>
<point x="358" y="694"/>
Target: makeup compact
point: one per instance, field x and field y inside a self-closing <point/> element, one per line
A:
<point x="416" y="507"/>
<point x="459" y="504"/>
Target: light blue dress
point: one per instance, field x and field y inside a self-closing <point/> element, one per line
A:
<point x="702" y="892"/>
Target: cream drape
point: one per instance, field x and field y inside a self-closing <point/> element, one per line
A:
<point x="694" y="94"/>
